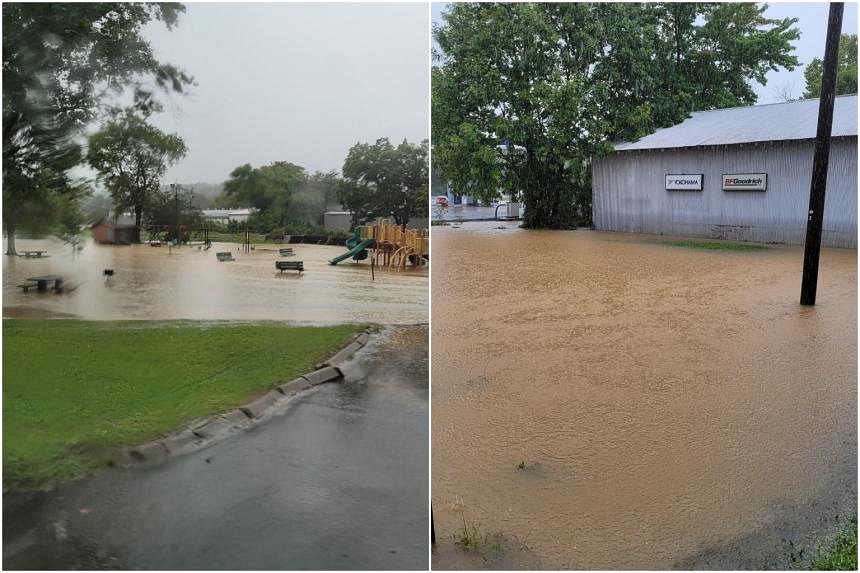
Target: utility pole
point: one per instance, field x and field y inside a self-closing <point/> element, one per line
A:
<point x="175" y="211"/>
<point x="821" y="158"/>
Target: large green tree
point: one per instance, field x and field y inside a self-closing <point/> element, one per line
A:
<point x="525" y="94"/>
<point x="312" y="198"/>
<point x="131" y="157"/>
<point x="62" y="64"/>
<point x="173" y="208"/>
<point x="269" y="189"/>
<point x="381" y="180"/>
<point x="846" y="70"/>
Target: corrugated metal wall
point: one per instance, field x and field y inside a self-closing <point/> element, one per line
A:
<point x="629" y="193"/>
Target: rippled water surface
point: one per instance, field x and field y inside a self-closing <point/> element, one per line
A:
<point x="189" y="283"/>
<point x="661" y="402"/>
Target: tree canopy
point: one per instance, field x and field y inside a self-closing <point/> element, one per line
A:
<point x="131" y="157"/>
<point x="62" y="65"/>
<point x="846" y="70"/>
<point x="269" y="189"/>
<point x="378" y="180"/>
<point x="525" y="94"/>
<point x="381" y="180"/>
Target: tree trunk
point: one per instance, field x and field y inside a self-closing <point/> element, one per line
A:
<point x="547" y="196"/>
<point x="137" y="217"/>
<point x="10" y="240"/>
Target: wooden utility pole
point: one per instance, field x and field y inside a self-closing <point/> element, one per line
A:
<point x="821" y="157"/>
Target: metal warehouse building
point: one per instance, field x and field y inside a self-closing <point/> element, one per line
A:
<point x="741" y="173"/>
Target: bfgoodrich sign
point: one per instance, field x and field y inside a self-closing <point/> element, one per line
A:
<point x="684" y="182"/>
<point x="745" y="182"/>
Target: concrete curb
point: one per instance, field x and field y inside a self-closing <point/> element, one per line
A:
<point x="293" y="387"/>
<point x="325" y="374"/>
<point x="345" y="353"/>
<point x="202" y="432"/>
<point x="258" y="407"/>
<point x="211" y="427"/>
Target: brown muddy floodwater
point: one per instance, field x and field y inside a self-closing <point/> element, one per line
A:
<point x="672" y="407"/>
<point x="189" y="283"/>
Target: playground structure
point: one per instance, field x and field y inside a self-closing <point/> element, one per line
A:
<point x="392" y="245"/>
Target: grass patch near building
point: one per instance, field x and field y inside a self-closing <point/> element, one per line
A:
<point x="841" y="555"/>
<point x="75" y="390"/>
<point x="707" y="245"/>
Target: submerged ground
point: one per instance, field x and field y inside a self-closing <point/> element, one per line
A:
<point x="615" y="401"/>
<point x="161" y="283"/>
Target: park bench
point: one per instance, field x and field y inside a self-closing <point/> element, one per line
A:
<point x="286" y="252"/>
<point x="225" y="256"/>
<point x="290" y="266"/>
<point x="34" y="254"/>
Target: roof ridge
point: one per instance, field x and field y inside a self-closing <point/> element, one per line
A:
<point x="770" y="104"/>
<point x="776" y="123"/>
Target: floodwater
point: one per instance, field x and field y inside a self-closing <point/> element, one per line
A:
<point x="338" y="480"/>
<point x="189" y="283"/>
<point x="613" y="401"/>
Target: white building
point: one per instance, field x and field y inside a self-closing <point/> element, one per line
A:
<point x="741" y="173"/>
<point x="224" y="216"/>
<point x="342" y="221"/>
<point x="337" y="220"/>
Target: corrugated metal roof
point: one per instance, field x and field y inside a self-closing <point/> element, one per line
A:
<point x="220" y="213"/>
<point x="772" y="122"/>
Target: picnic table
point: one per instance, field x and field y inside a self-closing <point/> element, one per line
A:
<point x="34" y="254"/>
<point x="41" y="283"/>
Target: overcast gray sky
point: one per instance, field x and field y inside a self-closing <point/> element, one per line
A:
<point x="812" y="22"/>
<point x="293" y="82"/>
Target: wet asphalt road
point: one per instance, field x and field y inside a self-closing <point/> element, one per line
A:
<point x="336" y="481"/>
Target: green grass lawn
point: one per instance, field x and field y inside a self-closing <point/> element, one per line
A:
<point x="842" y="554"/>
<point x="75" y="390"/>
<point x="707" y="245"/>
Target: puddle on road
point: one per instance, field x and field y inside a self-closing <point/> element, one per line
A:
<point x="669" y="400"/>
<point x="189" y="283"/>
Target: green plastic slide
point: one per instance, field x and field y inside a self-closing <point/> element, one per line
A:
<point x="355" y="248"/>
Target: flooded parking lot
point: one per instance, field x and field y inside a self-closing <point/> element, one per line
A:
<point x="615" y="401"/>
<point x="189" y="283"/>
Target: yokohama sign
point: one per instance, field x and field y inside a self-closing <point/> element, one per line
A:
<point x="745" y="182"/>
<point x="684" y="182"/>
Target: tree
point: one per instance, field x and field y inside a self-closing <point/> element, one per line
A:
<point x="269" y="189"/>
<point x="96" y="207"/>
<point x="381" y="180"/>
<point x="785" y="92"/>
<point x="61" y="63"/>
<point x="131" y="157"/>
<point x="173" y="208"/>
<point x="525" y="94"/>
<point x="846" y="70"/>
<point x="310" y="201"/>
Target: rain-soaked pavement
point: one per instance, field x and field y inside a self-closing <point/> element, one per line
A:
<point x="613" y="401"/>
<point x="338" y="480"/>
<point x="189" y="283"/>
